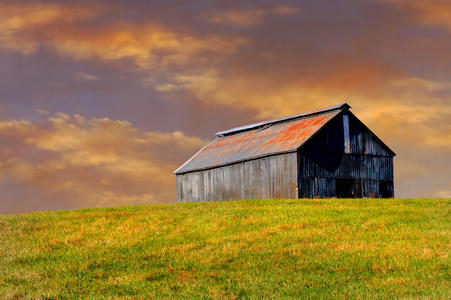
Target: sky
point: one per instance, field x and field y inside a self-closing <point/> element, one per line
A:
<point x="100" y="101"/>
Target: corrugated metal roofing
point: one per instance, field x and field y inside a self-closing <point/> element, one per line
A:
<point x="261" y="139"/>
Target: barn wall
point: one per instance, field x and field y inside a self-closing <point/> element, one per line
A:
<point x="268" y="177"/>
<point x="316" y="178"/>
<point x="323" y="161"/>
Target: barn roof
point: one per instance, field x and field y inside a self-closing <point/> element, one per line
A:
<point x="277" y="136"/>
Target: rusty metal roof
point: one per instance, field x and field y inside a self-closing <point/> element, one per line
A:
<point x="277" y="136"/>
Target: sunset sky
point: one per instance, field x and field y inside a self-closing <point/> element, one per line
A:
<point x="100" y="101"/>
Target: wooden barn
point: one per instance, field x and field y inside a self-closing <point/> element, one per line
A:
<point x="324" y="153"/>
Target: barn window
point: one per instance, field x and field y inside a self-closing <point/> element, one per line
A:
<point x="347" y="140"/>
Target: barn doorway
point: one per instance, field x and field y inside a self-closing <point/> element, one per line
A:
<point x="349" y="188"/>
<point x="383" y="189"/>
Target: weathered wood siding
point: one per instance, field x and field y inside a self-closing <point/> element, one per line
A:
<point x="324" y="160"/>
<point x="267" y="177"/>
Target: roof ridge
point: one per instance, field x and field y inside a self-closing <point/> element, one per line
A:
<point x="283" y="119"/>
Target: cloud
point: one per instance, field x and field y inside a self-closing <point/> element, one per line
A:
<point x="150" y="45"/>
<point x="66" y="162"/>
<point x="19" y="22"/>
<point x="431" y="12"/>
<point x="167" y="87"/>
<point x="303" y="85"/>
<point x="85" y="76"/>
<point x="245" y="18"/>
<point x="418" y="112"/>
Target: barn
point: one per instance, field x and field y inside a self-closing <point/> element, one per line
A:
<point x="328" y="152"/>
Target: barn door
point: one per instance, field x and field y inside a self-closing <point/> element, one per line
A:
<point x="384" y="190"/>
<point x="349" y="188"/>
<point x="321" y="187"/>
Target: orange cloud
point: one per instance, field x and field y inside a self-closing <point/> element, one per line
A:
<point x="67" y="162"/>
<point x="17" y="22"/>
<point x="292" y="90"/>
<point x="248" y="17"/>
<point x="430" y="12"/>
<point x="149" y="46"/>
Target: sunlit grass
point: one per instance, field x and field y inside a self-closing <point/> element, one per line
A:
<point x="253" y="249"/>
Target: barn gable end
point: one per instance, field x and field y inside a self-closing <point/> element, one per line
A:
<point x="324" y="153"/>
<point x="326" y="169"/>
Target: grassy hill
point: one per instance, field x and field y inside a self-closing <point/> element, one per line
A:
<point x="253" y="249"/>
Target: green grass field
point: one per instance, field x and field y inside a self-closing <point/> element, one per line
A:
<point x="252" y="249"/>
